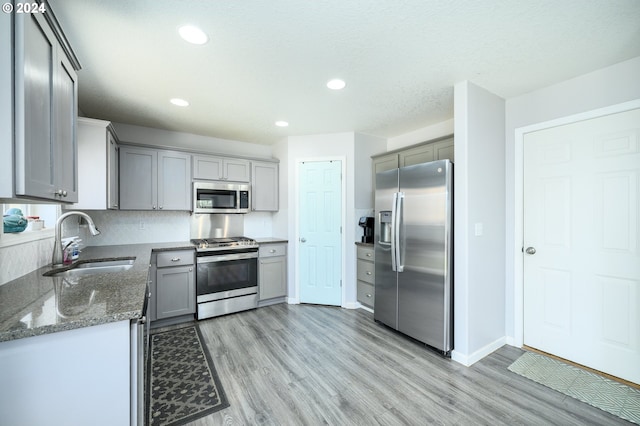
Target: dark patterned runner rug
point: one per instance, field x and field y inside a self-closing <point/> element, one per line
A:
<point x="183" y="384"/>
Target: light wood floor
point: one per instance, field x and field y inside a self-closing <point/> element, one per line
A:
<point x="312" y="365"/>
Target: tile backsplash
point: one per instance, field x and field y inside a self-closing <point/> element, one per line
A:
<point x="20" y="259"/>
<point x="133" y="227"/>
<point x="117" y="227"/>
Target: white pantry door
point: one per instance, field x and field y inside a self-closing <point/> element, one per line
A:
<point x="581" y="213"/>
<point x="320" y="210"/>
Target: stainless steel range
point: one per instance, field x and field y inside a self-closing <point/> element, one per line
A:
<point x="226" y="276"/>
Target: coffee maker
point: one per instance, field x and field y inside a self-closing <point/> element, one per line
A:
<point x="367" y="224"/>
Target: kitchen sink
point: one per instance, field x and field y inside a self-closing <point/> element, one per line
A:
<point x="96" y="266"/>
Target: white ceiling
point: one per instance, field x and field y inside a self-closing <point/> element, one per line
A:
<point x="270" y="60"/>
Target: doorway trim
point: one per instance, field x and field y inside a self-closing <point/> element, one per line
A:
<point x="518" y="243"/>
<point x="343" y="203"/>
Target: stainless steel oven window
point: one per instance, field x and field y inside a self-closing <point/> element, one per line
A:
<point x="216" y="274"/>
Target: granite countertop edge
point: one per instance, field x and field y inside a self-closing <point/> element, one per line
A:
<point x="121" y="294"/>
<point x="270" y="240"/>
<point x="359" y="243"/>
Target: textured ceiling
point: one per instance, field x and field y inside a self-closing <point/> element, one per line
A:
<point x="270" y="60"/>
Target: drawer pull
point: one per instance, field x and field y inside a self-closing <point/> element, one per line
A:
<point x="272" y="251"/>
<point x="368" y="272"/>
<point x="175" y="259"/>
<point x="368" y="254"/>
<point x="368" y="295"/>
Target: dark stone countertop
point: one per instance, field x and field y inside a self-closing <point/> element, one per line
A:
<point x="358" y="243"/>
<point x="34" y="304"/>
<point x="270" y="240"/>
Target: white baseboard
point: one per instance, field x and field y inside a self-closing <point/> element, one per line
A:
<point x="351" y="305"/>
<point x="364" y="308"/>
<point x="511" y="341"/>
<point x="469" y="360"/>
<point x="293" y="301"/>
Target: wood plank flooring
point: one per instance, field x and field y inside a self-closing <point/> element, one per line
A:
<point x="313" y="365"/>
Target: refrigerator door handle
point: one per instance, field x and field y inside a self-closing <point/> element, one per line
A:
<point x="394" y="244"/>
<point x="399" y="225"/>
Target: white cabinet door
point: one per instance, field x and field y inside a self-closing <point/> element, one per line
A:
<point x="581" y="241"/>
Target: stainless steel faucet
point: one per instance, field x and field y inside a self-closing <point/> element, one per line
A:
<point x="56" y="259"/>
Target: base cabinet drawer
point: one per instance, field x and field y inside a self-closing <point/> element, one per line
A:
<point x="366" y="294"/>
<point x="366" y="271"/>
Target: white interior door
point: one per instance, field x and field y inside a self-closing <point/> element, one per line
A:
<point x="581" y="260"/>
<point x="320" y="213"/>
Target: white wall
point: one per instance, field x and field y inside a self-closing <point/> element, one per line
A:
<point x="320" y="147"/>
<point x="478" y="203"/>
<point x="435" y="131"/>
<point x="170" y="139"/>
<point x="608" y="86"/>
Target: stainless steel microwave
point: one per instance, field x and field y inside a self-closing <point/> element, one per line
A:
<point x="220" y="197"/>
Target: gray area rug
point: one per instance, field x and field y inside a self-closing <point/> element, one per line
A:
<point x="183" y="384"/>
<point x="603" y="393"/>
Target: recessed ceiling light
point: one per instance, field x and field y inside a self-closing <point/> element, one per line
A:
<point x="193" y="34"/>
<point x="282" y="123"/>
<point x="179" y="102"/>
<point x="336" y="84"/>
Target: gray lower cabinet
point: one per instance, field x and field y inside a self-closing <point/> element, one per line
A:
<point x="154" y="179"/>
<point x="45" y="110"/>
<point x="366" y="275"/>
<point x="272" y="271"/>
<point x="173" y="292"/>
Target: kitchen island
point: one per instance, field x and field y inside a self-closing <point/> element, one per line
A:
<point x="69" y="346"/>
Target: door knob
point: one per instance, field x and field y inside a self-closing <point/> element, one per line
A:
<point x="303" y="240"/>
<point x="530" y="250"/>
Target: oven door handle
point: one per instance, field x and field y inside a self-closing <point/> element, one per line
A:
<point x="225" y="257"/>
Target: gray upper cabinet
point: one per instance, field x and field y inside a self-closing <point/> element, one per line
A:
<point x="113" y="171"/>
<point x="423" y="153"/>
<point x="264" y="186"/>
<point x="220" y="168"/>
<point x="138" y="178"/>
<point x="97" y="165"/>
<point x="45" y="110"/>
<point x="417" y="155"/>
<point x="154" y="179"/>
<point x="174" y="180"/>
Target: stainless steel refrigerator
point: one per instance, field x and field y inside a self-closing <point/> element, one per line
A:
<point x="413" y="241"/>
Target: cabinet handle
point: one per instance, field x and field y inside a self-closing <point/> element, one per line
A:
<point x="64" y="193"/>
<point x="154" y="207"/>
<point x="368" y="272"/>
<point x="272" y="251"/>
<point x="368" y="254"/>
<point x="175" y="259"/>
<point x="190" y="269"/>
<point x="160" y="207"/>
<point x="368" y="295"/>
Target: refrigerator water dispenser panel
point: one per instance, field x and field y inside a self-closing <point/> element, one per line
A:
<point x="384" y="218"/>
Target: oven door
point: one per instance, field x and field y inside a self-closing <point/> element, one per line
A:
<point x="220" y="276"/>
